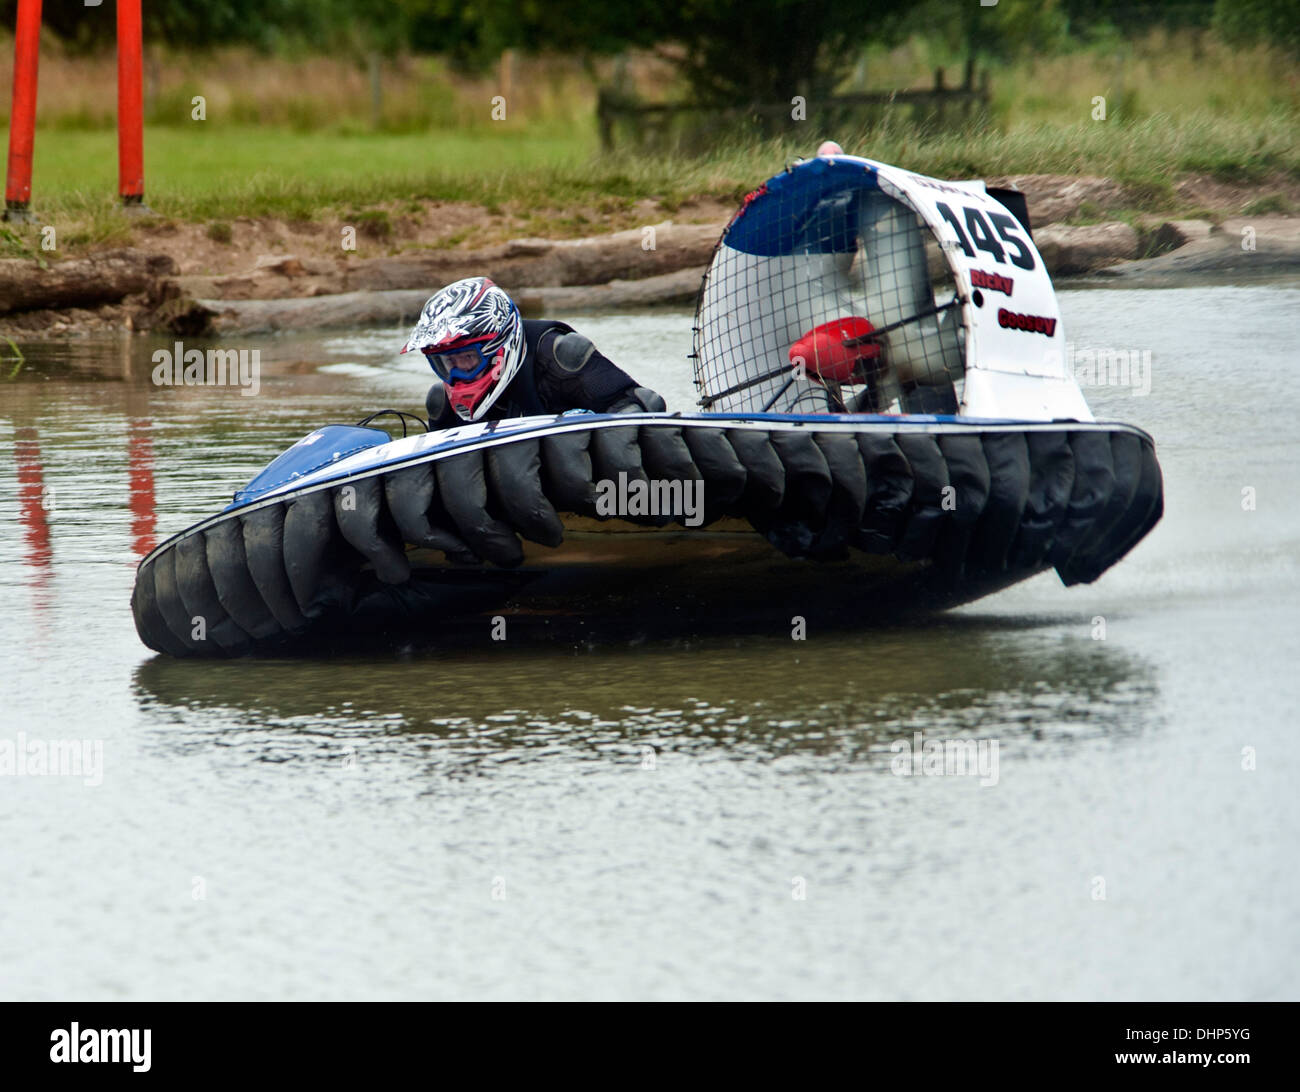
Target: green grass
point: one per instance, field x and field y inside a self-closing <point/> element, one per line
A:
<point x="222" y="172"/>
<point x="1152" y="151"/>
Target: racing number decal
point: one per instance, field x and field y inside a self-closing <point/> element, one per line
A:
<point x="951" y="217"/>
<point x="982" y="235"/>
<point x="1007" y="227"/>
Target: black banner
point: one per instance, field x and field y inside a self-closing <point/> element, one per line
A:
<point x="332" y="1041"/>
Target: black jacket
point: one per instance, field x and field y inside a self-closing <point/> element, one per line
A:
<point x="561" y="371"/>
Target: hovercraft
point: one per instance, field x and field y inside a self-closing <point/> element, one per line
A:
<point x="887" y="424"/>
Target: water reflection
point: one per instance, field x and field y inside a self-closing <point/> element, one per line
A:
<point x="843" y="699"/>
<point x="33" y="507"/>
<point x="144" y="517"/>
<point x="172" y="454"/>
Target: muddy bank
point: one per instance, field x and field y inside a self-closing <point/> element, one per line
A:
<point x="519" y="263"/>
<point x="402" y="305"/>
<point x="658" y="264"/>
<point x="1237" y="248"/>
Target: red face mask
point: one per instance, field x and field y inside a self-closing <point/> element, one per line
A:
<point x="465" y="396"/>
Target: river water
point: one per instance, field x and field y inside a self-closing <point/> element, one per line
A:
<point x="689" y="819"/>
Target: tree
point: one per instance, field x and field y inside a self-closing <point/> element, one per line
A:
<point x="770" y="50"/>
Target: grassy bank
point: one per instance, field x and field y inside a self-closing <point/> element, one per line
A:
<point x="289" y="138"/>
<point x="229" y="171"/>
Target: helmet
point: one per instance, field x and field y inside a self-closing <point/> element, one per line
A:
<point x="473" y="338"/>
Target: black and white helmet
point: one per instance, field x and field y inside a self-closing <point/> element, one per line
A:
<point x="473" y="338"/>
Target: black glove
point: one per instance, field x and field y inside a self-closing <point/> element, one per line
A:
<point x="441" y="415"/>
<point x="638" y="400"/>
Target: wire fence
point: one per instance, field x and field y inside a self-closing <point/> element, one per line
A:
<point x="624" y="120"/>
<point x="838" y="304"/>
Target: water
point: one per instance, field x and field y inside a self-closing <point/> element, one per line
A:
<point x="636" y="821"/>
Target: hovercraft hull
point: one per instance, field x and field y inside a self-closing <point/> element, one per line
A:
<point x="586" y="525"/>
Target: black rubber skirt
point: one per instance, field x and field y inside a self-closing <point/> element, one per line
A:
<point x="841" y="524"/>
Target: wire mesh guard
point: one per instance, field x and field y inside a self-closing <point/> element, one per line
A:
<point x="820" y="299"/>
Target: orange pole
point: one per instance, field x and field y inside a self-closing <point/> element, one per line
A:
<point x="22" y="118"/>
<point x="130" y="103"/>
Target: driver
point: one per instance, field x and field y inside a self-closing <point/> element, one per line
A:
<point x="492" y="363"/>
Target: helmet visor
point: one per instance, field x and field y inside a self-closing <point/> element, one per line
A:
<point x="462" y="365"/>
